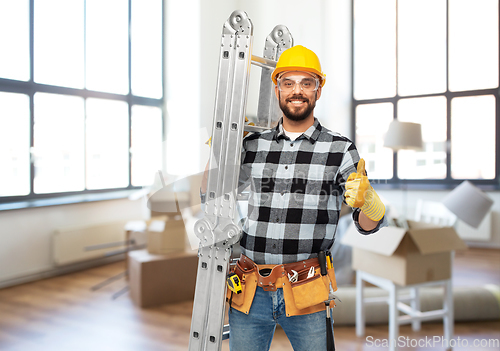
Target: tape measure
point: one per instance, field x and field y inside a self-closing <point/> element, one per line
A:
<point x="329" y="262"/>
<point x="233" y="282"/>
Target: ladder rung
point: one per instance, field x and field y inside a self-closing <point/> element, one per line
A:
<point x="263" y="62"/>
<point x="254" y="129"/>
<point x="243" y="197"/>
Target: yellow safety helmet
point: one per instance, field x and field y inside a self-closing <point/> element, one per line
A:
<point x="298" y="58"/>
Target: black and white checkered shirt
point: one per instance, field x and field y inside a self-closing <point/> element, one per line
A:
<point x="296" y="192"/>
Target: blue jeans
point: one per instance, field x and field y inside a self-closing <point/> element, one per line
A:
<point x="254" y="332"/>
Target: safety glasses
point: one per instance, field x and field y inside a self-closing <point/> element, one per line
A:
<point x="307" y="84"/>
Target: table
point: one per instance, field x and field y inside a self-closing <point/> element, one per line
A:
<point x="412" y="313"/>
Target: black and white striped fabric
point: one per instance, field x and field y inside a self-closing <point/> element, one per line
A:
<point x="296" y="192"/>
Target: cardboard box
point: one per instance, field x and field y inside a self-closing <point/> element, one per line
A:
<point x="167" y="202"/>
<point x="166" y="235"/>
<point x="161" y="279"/>
<point x="419" y="254"/>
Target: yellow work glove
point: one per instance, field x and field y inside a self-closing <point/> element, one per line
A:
<point x="359" y="193"/>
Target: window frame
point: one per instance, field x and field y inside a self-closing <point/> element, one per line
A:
<point x="30" y="88"/>
<point x="428" y="184"/>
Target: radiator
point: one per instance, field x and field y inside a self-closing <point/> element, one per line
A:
<point x="483" y="233"/>
<point x="77" y="244"/>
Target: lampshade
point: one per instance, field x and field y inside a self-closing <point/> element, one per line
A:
<point x="468" y="203"/>
<point x="403" y="135"/>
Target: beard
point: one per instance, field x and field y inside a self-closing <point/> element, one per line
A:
<point x="297" y="114"/>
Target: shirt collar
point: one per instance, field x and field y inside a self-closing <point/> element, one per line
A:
<point x="311" y="134"/>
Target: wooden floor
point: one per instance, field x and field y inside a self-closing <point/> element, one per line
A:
<point x="63" y="314"/>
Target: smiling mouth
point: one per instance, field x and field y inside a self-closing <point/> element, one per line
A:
<point x="297" y="102"/>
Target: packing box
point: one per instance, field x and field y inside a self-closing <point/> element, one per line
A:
<point x="166" y="235"/>
<point x="160" y="279"/>
<point x="415" y="255"/>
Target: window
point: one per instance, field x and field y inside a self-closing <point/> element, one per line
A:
<point x="146" y="141"/>
<point x="80" y="108"/>
<point x="59" y="55"/>
<point x="14" y="39"/>
<point x="436" y="63"/>
<point x="14" y="144"/>
<point x="107" y="138"/>
<point x="59" y="148"/>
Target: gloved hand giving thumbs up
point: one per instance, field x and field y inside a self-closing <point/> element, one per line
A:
<point x="359" y="193"/>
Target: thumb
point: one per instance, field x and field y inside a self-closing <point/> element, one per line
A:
<point x="361" y="167"/>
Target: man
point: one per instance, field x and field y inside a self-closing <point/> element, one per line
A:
<point x="299" y="174"/>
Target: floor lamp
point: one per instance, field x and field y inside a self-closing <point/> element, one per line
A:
<point x="404" y="136"/>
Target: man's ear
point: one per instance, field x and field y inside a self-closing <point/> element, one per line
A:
<point x="318" y="93"/>
<point x="277" y="92"/>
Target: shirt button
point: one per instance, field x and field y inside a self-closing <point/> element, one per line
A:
<point x="291" y="145"/>
<point x="286" y="167"/>
<point x="274" y="246"/>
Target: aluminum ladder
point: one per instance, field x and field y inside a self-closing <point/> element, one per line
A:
<point x="218" y="230"/>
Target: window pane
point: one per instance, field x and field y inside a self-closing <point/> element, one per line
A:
<point x="107" y="46"/>
<point x="430" y="163"/>
<point x="14" y="40"/>
<point x="146" y="31"/>
<point x="146" y="144"/>
<point x="59" y="51"/>
<point x="107" y="144"/>
<point x="372" y="122"/>
<point x="421" y="48"/>
<point x="473" y="44"/>
<point x="58" y="143"/>
<point x="473" y="118"/>
<point x="374" y="49"/>
<point x="14" y="144"/>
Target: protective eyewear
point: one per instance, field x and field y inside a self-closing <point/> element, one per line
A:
<point x="308" y="85"/>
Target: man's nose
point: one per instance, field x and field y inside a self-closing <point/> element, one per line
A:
<point x="297" y="87"/>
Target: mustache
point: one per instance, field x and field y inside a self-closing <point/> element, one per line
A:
<point x="297" y="97"/>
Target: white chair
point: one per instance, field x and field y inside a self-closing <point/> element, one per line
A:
<point x="435" y="213"/>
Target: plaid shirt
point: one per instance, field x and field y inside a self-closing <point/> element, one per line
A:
<point x="296" y="192"/>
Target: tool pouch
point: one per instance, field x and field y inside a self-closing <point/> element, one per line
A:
<point x="308" y="292"/>
<point x="302" y="297"/>
<point x="331" y="276"/>
<point x="248" y="278"/>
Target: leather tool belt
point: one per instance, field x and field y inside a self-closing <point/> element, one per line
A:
<point x="305" y="295"/>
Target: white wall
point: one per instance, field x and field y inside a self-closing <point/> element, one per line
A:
<point x="182" y="56"/>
